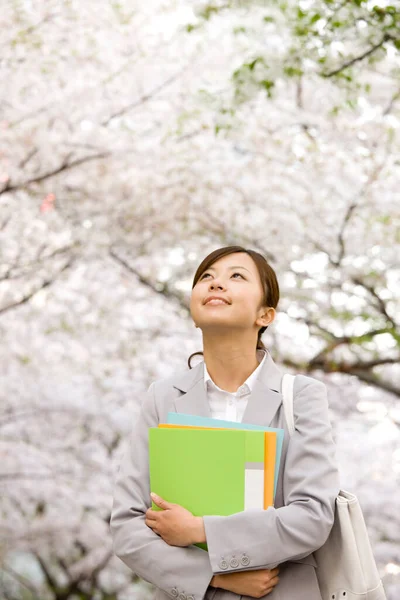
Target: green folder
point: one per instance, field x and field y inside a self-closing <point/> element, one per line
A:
<point x="187" y="419"/>
<point x="204" y="470"/>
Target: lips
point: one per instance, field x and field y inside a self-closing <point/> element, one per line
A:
<point x="215" y="300"/>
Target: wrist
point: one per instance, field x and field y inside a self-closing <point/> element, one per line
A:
<point x="199" y="531"/>
<point x="215" y="581"/>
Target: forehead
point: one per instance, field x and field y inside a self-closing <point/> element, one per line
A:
<point x="239" y="259"/>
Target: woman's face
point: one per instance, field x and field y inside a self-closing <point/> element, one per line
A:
<point x="235" y="278"/>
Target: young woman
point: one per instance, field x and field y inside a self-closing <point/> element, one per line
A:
<point x="234" y="296"/>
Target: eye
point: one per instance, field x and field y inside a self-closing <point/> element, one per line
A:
<point x="204" y="274"/>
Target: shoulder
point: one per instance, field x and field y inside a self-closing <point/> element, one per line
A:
<point x="163" y="385"/>
<point x="310" y="399"/>
<point x="179" y="380"/>
<point x="163" y="391"/>
<point x="301" y="382"/>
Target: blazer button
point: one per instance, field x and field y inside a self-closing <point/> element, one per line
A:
<point x="234" y="563"/>
<point x="182" y="597"/>
<point x="174" y="593"/>
<point x="190" y="597"/>
<point x="245" y="561"/>
<point x="223" y="565"/>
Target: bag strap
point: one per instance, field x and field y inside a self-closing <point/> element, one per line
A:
<point x="287" y="393"/>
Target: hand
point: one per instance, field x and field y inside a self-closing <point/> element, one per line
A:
<point x="256" y="583"/>
<point x="176" y="525"/>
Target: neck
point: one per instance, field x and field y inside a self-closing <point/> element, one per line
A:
<point x="229" y="362"/>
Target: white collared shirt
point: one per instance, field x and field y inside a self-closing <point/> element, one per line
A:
<point x="230" y="406"/>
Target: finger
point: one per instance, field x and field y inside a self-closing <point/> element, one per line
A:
<point x="151" y="520"/>
<point x="269" y="589"/>
<point x="272" y="581"/>
<point x="151" y="523"/>
<point x="160" y="501"/>
<point x="271" y="586"/>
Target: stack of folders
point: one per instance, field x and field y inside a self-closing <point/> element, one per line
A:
<point x="214" y="467"/>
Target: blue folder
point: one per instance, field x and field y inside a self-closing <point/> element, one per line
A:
<point x="183" y="419"/>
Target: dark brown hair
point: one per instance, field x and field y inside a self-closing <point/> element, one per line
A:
<point x="267" y="275"/>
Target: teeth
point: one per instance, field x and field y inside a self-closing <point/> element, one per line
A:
<point x="215" y="301"/>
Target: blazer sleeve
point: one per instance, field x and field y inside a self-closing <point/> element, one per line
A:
<point x="178" y="571"/>
<point x="269" y="537"/>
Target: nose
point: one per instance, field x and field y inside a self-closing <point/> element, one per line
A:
<point x="214" y="285"/>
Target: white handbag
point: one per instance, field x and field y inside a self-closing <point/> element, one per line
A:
<point x="346" y="567"/>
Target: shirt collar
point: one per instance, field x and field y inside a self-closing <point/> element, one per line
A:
<point x="247" y="386"/>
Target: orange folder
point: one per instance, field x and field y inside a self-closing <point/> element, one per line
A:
<point x="269" y="458"/>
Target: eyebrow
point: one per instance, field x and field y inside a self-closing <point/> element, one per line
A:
<point x="237" y="267"/>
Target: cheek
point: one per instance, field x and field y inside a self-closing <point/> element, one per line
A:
<point x="250" y="306"/>
<point x="195" y="299"/>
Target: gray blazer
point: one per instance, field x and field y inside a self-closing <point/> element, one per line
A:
<point x="285" y="535"/>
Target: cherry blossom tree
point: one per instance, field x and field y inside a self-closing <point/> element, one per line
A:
<point x="135" y="140"/>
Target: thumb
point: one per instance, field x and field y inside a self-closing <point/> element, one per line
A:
<point x="160" y="501"/>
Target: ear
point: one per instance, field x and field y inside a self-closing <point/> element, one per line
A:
<point x="267" y="316"/>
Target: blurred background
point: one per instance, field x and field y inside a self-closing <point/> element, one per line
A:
<point x="135" y="138"/>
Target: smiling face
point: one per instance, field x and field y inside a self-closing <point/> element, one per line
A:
<point x="236" y="279"/>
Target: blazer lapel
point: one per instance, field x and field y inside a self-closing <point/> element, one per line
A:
<point x="261" y="408"/>
<point x="194" y="399"/>
<point x="266" y="397"/>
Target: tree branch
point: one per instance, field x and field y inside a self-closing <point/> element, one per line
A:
<point x="65" y="165"/>
<point x="45" y="284"/>
<point x="381" y="304"/>
<point x="367" y="365"/>
<point x="27" y="158"/>
<point x="360" y="57"/>
<point x="50" y="579"/>
<point x="12" y="273"/>
<point x="22" y="581"/>
<point x="162" y="289"/>
<point x="391" y="103"/>
<point x="356" y="370"/>
<point x="5" y="223"/>
<point x="346" y="220"/>
<point x="143" y="99"/>
<point x="361" y="369"/>
<point x="372" y="379"/>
